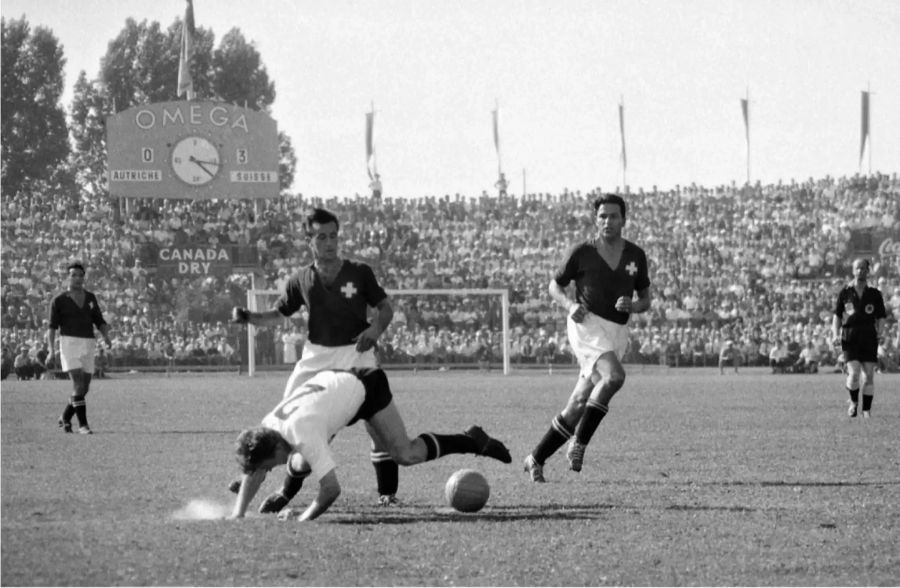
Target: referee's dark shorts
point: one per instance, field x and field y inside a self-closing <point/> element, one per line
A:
<point x="860" y="343"/>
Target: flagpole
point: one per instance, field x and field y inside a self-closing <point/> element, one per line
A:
<point x="869" y="91"/>
<point x="374" y="153"/>
<point x="497" y="135"/>
<point x="622" y="138"/>
<point x="748" y="135"/>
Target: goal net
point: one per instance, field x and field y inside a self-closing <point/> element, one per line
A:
<point x="432" y="329"/>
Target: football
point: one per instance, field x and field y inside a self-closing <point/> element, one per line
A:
<point x="467" y="491"/>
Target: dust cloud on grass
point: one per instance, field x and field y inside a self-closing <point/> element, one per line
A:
<point x="201" y="509"/>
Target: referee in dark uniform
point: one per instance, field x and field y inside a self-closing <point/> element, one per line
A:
<point x="75" y="313"/>
<point x="858" y="324"/>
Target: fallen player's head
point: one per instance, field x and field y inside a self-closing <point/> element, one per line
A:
<point x="259" y="448"/>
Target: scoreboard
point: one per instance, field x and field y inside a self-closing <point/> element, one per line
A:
<point x="193" y="150"/>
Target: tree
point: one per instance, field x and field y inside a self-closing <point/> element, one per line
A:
<point x="141" y="64"/>
<point x="238" y="74"/>
<point x="87" y="120"/>
<point x="34" y="136"/>
<point x="287" y="161"/>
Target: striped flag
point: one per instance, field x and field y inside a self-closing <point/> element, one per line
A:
<point x="185" y="81"/>
<point x="622" y="133"/>
<point x="370" y="144"/>
<point x="864" y="125"/>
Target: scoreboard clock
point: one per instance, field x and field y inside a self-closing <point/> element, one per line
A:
<point x="195" y="160"/>
<point x="190" y="149"/>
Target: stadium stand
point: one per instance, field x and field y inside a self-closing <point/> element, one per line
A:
<point x="751" y="264"/>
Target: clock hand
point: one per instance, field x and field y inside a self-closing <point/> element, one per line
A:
<point x="201" y="165"/>
<point x="195" y="160"/>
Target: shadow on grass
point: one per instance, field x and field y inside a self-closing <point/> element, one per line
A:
<point x="757" y="483"/>
<point x="415" y="515"/>
<point x="779" y="483"/>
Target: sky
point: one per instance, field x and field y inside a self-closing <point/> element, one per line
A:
<point x="558" y="69"/>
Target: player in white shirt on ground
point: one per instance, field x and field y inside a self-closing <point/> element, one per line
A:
<point x="299" y="430"/>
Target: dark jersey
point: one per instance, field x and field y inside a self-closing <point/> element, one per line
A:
<point x="859" y="312"/>
<point x="598" y="286"/>
<point x="73" y="320"/>
<point x="337" y="313"/>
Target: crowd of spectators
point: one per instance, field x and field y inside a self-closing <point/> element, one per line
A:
<point x="753" y="265"/>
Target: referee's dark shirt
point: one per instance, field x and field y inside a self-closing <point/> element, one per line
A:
<point x="73" y="320"/>
<point x="859" y="312"/>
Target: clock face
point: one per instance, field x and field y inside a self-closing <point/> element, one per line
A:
<point x="195" y="161"/>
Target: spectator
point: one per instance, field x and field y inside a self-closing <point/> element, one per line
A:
<point x="729" y="355"/>
<point x="808" y="361"/>
<point x="778" y="357"/>
<point x="22" y="365"/>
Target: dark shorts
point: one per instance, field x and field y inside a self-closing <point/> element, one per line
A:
<point x="378" y="393"/>
<point x="860" y="344"/>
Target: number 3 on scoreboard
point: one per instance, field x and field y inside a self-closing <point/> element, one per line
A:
<point x="242" y="157"/>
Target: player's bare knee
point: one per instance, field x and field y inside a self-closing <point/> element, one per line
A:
<point x="853" y="378"/>
<point x="614" y="381"/>
<point x="575" y="406"/>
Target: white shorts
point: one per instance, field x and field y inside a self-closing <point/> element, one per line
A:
<point x="77" y="353"/>
<point x="593" y="337"/>
<point x="316" y="358"/>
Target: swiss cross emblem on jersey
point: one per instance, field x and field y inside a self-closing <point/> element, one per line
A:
<point x="348" y="290"/>
<point x="631" y="268"/>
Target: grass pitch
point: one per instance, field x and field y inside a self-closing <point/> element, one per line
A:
<point x="693" y="479"/>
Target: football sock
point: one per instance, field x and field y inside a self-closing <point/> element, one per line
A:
<point x="867" y="401"/>
<point x="68" y="413"/>
<point x="555" y="437"/>
<point x="854" y="395"/>
<point x="80" y="410"/>
<point x="590" y="420"/>
<point x="292" y="484"/>
<point x="440" y="445"/>
<point x="387" y="472"/>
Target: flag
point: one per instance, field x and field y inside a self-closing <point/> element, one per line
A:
<point x="496" y="117"/>
<point x="745" y="108"/>
<point x="622" y="133"/>
<point x="370" y="144"/>
<point x="864" y="125"/>
<point x="185" y="81"/>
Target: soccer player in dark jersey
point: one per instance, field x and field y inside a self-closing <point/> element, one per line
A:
<point x="607" y="271"/>
<point x="75" y="313"/>
<point x="337" y="293"/>
<point x="298" y="432"/>
<point x="858" y="327"/>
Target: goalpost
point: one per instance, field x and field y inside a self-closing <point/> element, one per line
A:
<point x="258" y="300"/>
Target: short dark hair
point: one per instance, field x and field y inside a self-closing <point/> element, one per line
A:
<point x="610" y="199"/>
<point x="256" y="445"/>
<point x="322" y="217"/>
<point x="75" y="265"/>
